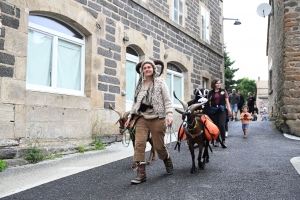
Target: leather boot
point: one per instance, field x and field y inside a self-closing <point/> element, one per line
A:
<point x="169" y="165"/>
<point x="141" y="173"/>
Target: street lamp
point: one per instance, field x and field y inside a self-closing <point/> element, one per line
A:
<point x="237" y="21"/>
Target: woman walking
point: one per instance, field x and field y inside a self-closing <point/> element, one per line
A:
<point x="153" y="103"/>
<point x="219" y="102"/>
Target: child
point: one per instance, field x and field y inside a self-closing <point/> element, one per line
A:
<point x="245" y="119"/>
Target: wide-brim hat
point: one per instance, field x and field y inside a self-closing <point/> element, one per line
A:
<point x="155" y="62"/>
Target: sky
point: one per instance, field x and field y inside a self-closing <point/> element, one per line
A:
<point x="246" y="43"/>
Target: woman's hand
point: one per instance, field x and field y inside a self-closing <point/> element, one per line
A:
<point x="127" y="123"/>
<point x="169" y="122"/>
<point x="229" y="113"/>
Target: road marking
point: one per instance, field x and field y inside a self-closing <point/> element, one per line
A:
<point x="296" y="163"/>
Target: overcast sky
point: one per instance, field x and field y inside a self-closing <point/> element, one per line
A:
<point x="246" y="43"/>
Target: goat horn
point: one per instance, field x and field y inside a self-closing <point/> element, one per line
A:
<point x="179" y="111"/>
<point x="194" y="106"/>
<point x="110" y="107"/>
<point x="185" y="105"/>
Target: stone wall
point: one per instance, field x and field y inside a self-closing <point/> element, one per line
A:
<point x="284" y="59"/>
<point x="64" y="119"/>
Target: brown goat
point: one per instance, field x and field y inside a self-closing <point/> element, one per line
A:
<point x="122" y="120"/>
<point x="193" y="128"/>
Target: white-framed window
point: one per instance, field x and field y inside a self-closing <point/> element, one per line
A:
<point x="175" y="83"/>
<point x="178" y="11"/>
<point x="55" y="57"/>
<point x="132" y="58"/>
<point x="205" y="25"/>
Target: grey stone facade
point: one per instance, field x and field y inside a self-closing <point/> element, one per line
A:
<point x="284" y="61"/>
<point x="150" y="30"/>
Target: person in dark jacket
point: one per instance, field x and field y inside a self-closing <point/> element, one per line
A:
<point x="241" y="102"/>
<point x="219" y="102"/>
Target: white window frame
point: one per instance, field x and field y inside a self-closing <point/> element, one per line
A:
<point x="134" y="59"/>
<point x="58" y="35"/>
<point x="205" y="25"/>
<point x="173" y="73"/>
<point x="180" y="13"/>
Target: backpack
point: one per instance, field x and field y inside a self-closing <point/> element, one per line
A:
<point x="211" y="131"/>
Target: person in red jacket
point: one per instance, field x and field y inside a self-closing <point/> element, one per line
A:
<point x="245" y="118"/>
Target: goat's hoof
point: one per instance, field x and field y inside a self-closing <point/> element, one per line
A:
<point x="201" y="165"/>
<point x="193" y="170"/>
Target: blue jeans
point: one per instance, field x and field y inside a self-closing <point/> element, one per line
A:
<point x="234" y="107"/>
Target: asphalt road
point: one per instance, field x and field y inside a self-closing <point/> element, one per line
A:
<point x="258" y="167"/>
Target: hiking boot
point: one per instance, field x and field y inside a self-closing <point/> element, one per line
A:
<point x="224" y="145"/>
<point x="141" y="173"/>
<point x="226" y="134"/>
<point x="169" y="165"/>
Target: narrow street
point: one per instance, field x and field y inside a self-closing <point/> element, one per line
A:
<point x="258" y="167"/>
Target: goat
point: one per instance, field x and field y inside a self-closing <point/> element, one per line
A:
<point x="122" y="120"/>
<point x="193" y="128"/>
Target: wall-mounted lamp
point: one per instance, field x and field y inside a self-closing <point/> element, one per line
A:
<point x="98" y="25"/>
<point x="237" y="21"/>
<point x="165" y="56"/>
<point x="125" y="38"/>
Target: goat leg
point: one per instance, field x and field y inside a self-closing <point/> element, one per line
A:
<point x="191" y="147"/>
<point x="201" y="165"/>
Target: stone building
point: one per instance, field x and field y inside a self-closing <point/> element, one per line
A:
<point x="62" y="62"/>
<point x="284" y="65"/>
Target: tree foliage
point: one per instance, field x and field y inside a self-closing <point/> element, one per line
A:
<point x="246" y="85"/>
<point x="230" y="83"/>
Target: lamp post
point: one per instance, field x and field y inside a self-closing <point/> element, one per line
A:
<point x="237" y="21"/>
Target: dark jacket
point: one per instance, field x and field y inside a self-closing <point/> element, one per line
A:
<point x="241" y="102"/>
<point x="211" y="95"/>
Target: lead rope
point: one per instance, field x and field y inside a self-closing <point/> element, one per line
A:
<point x="170" y="130"/>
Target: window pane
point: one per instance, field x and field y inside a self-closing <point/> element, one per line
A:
<point x="203" y="29"/>
<point x="68" y="65"/>
<point x="169" y="84"/>
<point x="54" y="25"/>
<point x="39" y="58"/>
<point x="176" y="4"/>
<point x="130" y="80"/>
<point x="175" y="16"/>
<point x="180" y="19"/>
<point x="180" y="7"/>
<point x="177" y="88"/>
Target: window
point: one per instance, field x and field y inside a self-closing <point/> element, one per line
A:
<point x="55" y="57"/>
<point x="205" y="25"/>
<point x="175" y="83"/>
<point x="132" y="58"/>
<point x="204" y="82"/>
<point x="178" y="12"/>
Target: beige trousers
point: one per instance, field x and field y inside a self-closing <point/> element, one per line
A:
<point x="157" y="129"/>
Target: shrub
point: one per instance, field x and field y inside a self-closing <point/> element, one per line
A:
<point x="81" y="148"/>
<point x="99" y="144"/>
<point x="3" y="165"/>
<point x="34" y="155"/>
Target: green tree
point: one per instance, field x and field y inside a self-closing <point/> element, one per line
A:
<point x="246" y="85"/>
<point x="230" y="83"/>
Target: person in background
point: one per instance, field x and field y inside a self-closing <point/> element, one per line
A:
<point x="241" y="102"/>
<point x="255" y="114"/>
<point x="265" y="115"/>
<point x="245" y="117"/>
<point x="218" y="103"/>
<point x="250" y="103"/>
<point x="153" y="104"/>
<point x="234" y="99"/>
